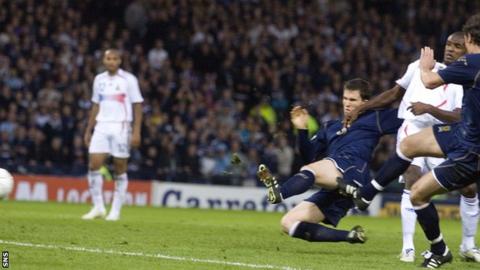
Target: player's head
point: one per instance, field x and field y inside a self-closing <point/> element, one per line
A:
<point x="112" y="59"/>
<point x="355" y="93"/>
<point x="455" y="48"/>
<point x="471" y="29"/>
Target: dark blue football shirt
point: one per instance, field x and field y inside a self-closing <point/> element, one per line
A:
<point x="357" y="143"/>
<point x="466" y="71"/>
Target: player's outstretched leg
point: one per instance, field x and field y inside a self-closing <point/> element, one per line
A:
<point x="274" y="196"/>
<point x="314" y="232"/>
<point x="439" y="253"/>
<point x="427" y="217"/>
<point x="297" y="184"/>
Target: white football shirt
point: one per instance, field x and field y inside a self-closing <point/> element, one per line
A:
<point x="446" y="97"/>
<point x="115" y="95"/>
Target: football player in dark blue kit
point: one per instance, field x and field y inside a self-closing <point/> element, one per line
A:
<point x="331" y="154"/>
<point x="460" y="143"/>
<point x="411" y="90"/>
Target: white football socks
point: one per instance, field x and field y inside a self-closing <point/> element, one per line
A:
<point x="469" y="213"/>
<point x="95" y="185"/>
<point x="121" y="184"/>
<point x="409" y="219"/>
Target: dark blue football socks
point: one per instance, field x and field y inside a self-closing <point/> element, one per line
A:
<point x="297" y="184"/>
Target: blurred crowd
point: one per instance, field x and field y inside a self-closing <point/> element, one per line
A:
<point x="218" y="77"/>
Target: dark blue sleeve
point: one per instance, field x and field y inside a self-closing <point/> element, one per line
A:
<point x="388" y="121"/>
<point x="460" y="72"/>
<point x="311" y="148"/>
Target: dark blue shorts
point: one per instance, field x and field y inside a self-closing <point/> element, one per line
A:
<point x="462" y="166"/>
<point x="333" y="205"/>
<point x="355" y="171"/>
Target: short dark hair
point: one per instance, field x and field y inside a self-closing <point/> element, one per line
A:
<point x="361" y="85"/>
<point x="458" y="34"/>
<point x="114" y="51"/>
<point x="472" y="27"/>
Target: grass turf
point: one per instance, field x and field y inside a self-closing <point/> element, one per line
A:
<point x="224" y="236"/>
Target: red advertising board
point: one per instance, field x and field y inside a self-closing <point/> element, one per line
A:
<point x="73" y="190"/>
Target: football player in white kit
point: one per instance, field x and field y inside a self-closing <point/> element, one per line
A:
<point x="421" y="108"/>
<point x="117" y="102"/>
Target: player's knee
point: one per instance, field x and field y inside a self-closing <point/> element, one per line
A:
<point x="411" y="176"/>
<point x="119" y="171"/>
<point x="409" y="180"/>
<point x="120" y="167"/>
<point x="94" y="166"/>
<point x="408" y="183"/>
<point x="308" y="168"/>
<point x="416" y="196"/>
<point x="469" y="191"/>
<point x="286" y="223"/>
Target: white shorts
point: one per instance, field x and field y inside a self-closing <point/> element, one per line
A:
<point x="425" y="164"/>
<point x="111" y="138"/>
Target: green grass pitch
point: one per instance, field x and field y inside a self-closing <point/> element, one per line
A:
<point x="52" y="236"/>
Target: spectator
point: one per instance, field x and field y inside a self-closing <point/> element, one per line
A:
<point x="284" y="154"/>
<point x="157" y="55"/>
<point x="213" y="73"/>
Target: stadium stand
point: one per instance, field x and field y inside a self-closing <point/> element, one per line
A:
<point x="218" y="77"/>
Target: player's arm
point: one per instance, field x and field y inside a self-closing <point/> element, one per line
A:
<point x="308" y="147"/>
<point x="299" y="119"/>
<point x="446" y="116"/>
<point x="93" y="112"/>
<point x="430" y="79"/>
<point x="311" y="148"/>
<point x="418" y="108"/>
<point x="137" y="124"/>
<point x="385" y="99"/>
<point x="388" y="121"/>
<point x="91" y="123"/>
<point x="137" y="100"/>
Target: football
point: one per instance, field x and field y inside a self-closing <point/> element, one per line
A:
<point x="6" y="183"/>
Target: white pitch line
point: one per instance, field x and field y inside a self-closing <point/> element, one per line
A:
<point x="141" y="254"/>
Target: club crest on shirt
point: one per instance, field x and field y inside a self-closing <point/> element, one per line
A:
<point x="444" y="128"/>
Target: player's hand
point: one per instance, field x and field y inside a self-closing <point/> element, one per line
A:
<point x="427" y="60"/>
<point x="86" y="138"/>
<point x="299" y="117"/>
<point x="135" y="140"/>
<point x="350" y="117"/>
<point x="418" y="108"/>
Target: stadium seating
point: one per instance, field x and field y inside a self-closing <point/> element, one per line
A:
<point x="218" y="77"/>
